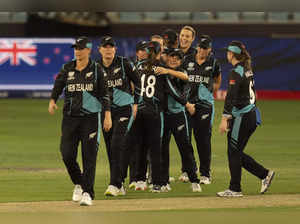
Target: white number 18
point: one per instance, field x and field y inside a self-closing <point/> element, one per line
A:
<point x="149" y="90"/>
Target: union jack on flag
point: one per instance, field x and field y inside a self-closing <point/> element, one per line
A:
<point x="32" y="63"/>
<point x="18" y="50"/>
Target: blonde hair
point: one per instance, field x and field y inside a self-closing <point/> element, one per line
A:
<point x="190" y="29"/>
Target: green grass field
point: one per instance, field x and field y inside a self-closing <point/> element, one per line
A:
<point x="31" y="168"/>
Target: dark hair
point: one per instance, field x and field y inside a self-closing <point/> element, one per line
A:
<point x="156" y="36"/>
<point x="244" y="56"/>
<point x="170" y="38"/>
<point x="152" y="54"/>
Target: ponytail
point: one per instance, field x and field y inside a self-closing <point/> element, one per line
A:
<point x="244" y="57"/>
<point x="151" y="61"/>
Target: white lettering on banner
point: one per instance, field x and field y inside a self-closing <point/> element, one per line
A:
<point x="80" y="87"/>
<point x="115" y="82"/>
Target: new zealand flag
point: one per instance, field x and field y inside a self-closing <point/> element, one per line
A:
<point x="32" y="63"/>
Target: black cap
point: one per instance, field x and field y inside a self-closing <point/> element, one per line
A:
<point x="154" y="45"/>
<point x="235" y="46"/>
<point x="166" y="50"/>
<point x="175" y="51"/>
<point x="204" y="42"/>
<point x="141" y="45"/>
<point x="170" y="35"/>
<point x="107" y="40"/>
<point x="82" y="42"/>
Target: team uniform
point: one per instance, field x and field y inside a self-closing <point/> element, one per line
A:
<point x="240" y="104"/>
<point x="149" y="120"/>
<point x="132" y="151"/>
<point x="190" y="51"/>
<point x="201" y="80"/>
<point x="176" y="123"/>
<point x="118" y="76"/>
<point x="85" y="95"/>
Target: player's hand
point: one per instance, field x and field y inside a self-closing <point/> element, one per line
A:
<point x="52" y="107"/>
<point x="160" y="70"/>
<point x="134" y="110"/>
<point x="107" y="123"/>
<point x="223" y="127"/>
<point x="190" y="108"/>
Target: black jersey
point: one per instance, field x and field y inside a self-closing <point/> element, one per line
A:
<point x="240" y="96"/>
<point x="201" y="78"/>
<point x="118" y="76"/>
<point x="84" y="90"/>
<point x="190" y="51"/>
<point x="176" y="87"/>
<point x="154" y="89"/>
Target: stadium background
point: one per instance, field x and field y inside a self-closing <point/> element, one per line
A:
<point x="270" y="37"/>
<point x="31" y="169"/>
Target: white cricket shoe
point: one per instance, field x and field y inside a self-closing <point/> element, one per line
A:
<point x="229" y="193"/>
<point x="168" y="187"/>
<point x="171" y="179"/>
<point x="196" y="187"/>
<point x="122" y="190"/>
<point x="156" y="189"/>
<point x="132" y="185"/>
<point x="205" y="180"/>
<point x="141" y="186"/>
<point x="86" y="199"/>
<point x="265" y="183"/>
<point x="112" y="191"/>
<point x="184" y="177"/>
<point x="77" y="193"/>
<point x="164" y="189"/>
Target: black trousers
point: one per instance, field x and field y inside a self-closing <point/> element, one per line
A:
<point x="201" y="124"/>
<point x="87" y="131"/>
<point x="177" y="124"/>
<point x="241" y="128"/>
<point x="130" y="156"/>
<point x="116" y="142"/>
<point x="149" y="125"/>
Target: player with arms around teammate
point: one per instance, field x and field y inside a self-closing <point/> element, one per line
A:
<point x="240" y="119"/>
<point x="85" y="91"/>
<point x="176" y="123"/>
<point x="205" y="78"/>
<point x="149" y="120"/>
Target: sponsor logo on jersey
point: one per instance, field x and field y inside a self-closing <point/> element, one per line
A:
<point x="88" y="75"/>
<point x="208" y="68"/>
<point x="123" y="119"/>
<point x="92" y="135"/>
<point x="191" y="66"/>
<point x="179" y="128"/>
<point x="204" y="116"/>
<point x="117" y="70"/>
<point x="71" y="75"/>
<point x="231" y="82"/>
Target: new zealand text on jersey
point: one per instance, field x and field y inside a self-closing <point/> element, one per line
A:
<point x="80" y="87"/>
<point x="114" y="82"/>
<point x="198" y="79"/>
